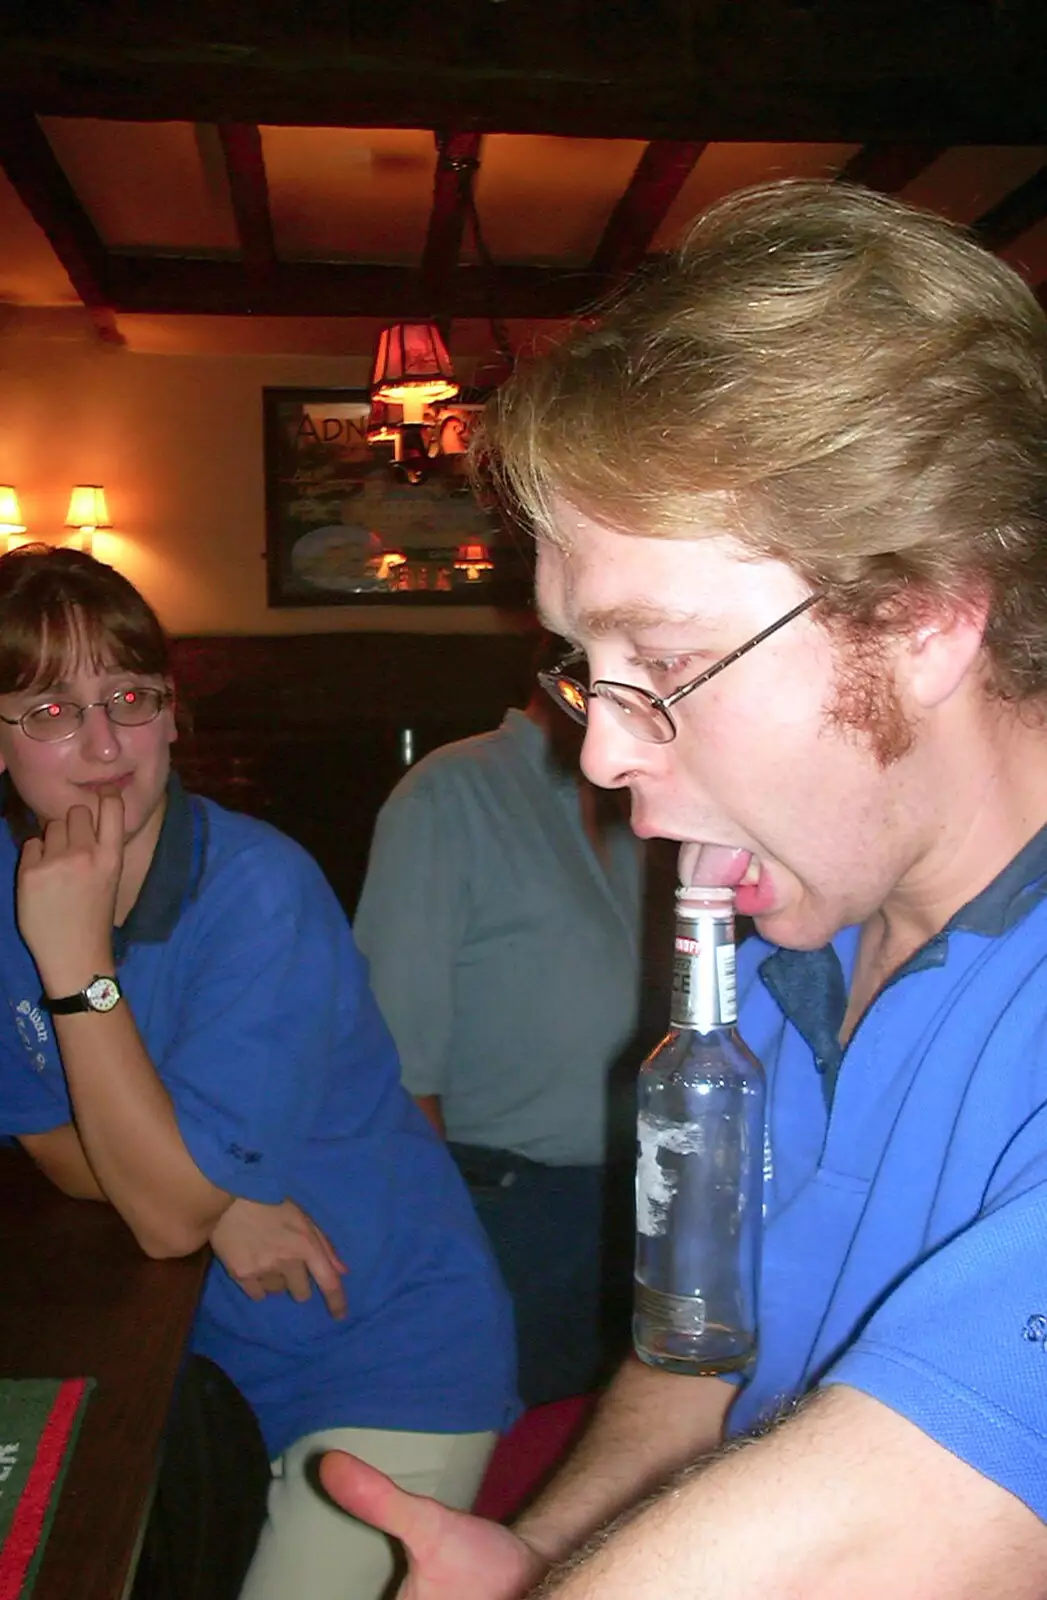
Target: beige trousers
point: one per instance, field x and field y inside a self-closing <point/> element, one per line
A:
<point x="312" y="1550"/>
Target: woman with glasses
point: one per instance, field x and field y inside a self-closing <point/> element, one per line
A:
<point x="191" y="1037"/>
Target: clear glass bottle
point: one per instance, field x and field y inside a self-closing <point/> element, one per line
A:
<point x="700" y="1153"/>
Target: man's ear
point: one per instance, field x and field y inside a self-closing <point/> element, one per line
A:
<point x="944" y="646"/>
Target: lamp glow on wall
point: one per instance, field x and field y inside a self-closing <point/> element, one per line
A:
<point x="87" y="512"/>
<point x="10" y="516"/>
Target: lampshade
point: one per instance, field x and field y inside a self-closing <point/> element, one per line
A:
<point x="412" y="368"/>
<point x="10" y="511"/>
<point x="472" y="558"/>
<point x="87" y="507"/>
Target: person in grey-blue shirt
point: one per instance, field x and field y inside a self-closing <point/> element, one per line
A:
<point x="502" y="916"/>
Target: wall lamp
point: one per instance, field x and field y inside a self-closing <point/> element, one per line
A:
<point x="10" y="516"/>
<point x="87" y="511"/>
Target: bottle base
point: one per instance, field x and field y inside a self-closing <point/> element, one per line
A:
<point x="674" y="1332"/>
<point x="696" y="1365"/>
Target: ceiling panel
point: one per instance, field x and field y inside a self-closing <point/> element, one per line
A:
<point x="969" y="180"/>
<point x="723" y="167"/>
<point x="154" y="185"/>
<point x="350" y="194"/>
<point x="548" y="199"/>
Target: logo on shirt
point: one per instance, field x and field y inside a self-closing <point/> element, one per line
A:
<point x="32" y="1026"/>
<point x="1035" y="1330"/>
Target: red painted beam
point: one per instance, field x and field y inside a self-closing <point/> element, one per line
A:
<point x="43" y="188"/>
<point x="1018" y="211"/>
<point x="661" y="173"/>
<point x="458" y="157"/>
<point x="889" y="167"/>
<point x="245" y="168"/>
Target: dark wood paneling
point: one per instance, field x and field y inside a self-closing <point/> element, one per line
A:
<point x="308" y="731"/>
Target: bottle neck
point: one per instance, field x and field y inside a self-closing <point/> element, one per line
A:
<point x="704" y="994"/>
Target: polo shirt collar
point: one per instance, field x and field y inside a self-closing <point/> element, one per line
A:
<point x="1011" y="895"/>
<point x="810" y="986"/>
<point x="173" y="876"/>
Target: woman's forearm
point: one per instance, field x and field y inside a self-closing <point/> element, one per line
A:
<point x="127" y="1125"/>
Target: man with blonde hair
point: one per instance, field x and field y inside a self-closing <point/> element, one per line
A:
<point x="790" y="496"/>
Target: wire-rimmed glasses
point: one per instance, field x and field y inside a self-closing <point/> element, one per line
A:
<point x="55" y="720"/>
<point x="645" y="715"/>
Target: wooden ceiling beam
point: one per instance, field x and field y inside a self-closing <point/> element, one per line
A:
<point x="458" y="157"/>
<point x="36" y="175"/>
<point x="890" y="167"/>
<point x="966" y="102"/>
<point x="660" y="174"/>
<point x="162" y="285"/>
<point x="249" y="190"/>
<point x="1018" y="211"/>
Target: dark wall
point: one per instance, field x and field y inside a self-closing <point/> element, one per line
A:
<point x="307" y="731"/>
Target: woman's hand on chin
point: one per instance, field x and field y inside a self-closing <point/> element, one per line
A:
<point x="66" y="893"/>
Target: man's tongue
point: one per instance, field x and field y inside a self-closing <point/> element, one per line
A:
<point x="713" y="866"/>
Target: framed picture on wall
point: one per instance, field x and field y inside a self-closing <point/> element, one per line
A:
<point x="353" y="520"/>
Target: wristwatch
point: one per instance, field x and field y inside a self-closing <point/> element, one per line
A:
<point x="101" y="994"/>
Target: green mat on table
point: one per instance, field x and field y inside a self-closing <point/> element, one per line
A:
<point x="39" y="1422"/>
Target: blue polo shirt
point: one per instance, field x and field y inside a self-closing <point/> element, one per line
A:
<point x="905" y="1248"/>
<point x="252" y="1000"/>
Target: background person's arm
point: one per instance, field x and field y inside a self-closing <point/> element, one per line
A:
<point x="410" y="924"/>
<point x="845" y="1498"/>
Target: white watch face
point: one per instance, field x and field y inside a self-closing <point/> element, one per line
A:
<point x="102" y="994"/>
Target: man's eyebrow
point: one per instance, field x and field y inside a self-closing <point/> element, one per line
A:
<point x="634" y="618"/>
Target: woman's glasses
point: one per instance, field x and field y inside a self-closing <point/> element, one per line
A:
<point x="56" y="720"/>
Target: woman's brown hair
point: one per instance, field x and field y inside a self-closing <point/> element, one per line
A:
<point x="60" y="608"/>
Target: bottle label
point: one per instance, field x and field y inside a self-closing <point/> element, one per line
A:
<point x="704" y="994"/>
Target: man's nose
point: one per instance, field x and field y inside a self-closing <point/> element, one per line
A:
<point x="610" y="754"/>
<point x="99" y="737"/>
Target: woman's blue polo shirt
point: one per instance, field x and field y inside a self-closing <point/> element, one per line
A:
<point x="905" y="1248"/>
<point x="252" y="1000"/>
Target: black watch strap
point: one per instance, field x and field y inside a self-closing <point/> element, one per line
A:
<point x="101" y="994"/>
